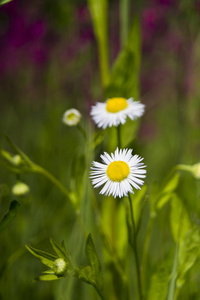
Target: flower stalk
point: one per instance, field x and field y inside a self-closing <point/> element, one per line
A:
<point x="135" y="249"/>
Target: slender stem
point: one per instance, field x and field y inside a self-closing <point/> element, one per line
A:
<point x="80" y="128"/>
<point x="146" y="248"/>
<point x="124" y="20"/>
<point x="134" y="246"/>
<point x="53" y="179"/>
<point x="119" y="136"/>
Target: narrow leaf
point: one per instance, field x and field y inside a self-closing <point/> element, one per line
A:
<point x="138" y="196"/>
<point x="172" y="184"/>
<point x="95" y="264"/>
<point x="48" y="277"/>
<point x="98" y="10"/>
<point x="172" y="284"/>
<point x="124" y="78"/>
<point x="188" y="254"/>
<point x="10" y="215"/>
<point x="178" y="213"/>
<point x="92" y="255"/>
<point x="158" y="285"/>
<point x="46" y="258"/>
<point x="4" y="1"/>
<point x="58" y="249"/>
<point x="49" y="272"/>
<point x="168" y="189"/>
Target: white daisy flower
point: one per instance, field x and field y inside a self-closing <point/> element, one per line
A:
<point x="71" y="117"/>
<point x="119" y="173"/>
<point x="115" y="111"/>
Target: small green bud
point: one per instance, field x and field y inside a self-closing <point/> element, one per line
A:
<point x="196" y="170"/>
<point x="16" y="160"/>
<point x="60" y="266"/>
<point x="20" y="189"/>
<point x="71" y="117"/>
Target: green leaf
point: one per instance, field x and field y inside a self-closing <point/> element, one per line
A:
<point x="137" y="203"/>
<point x="172" y="184"/>
<point x="188" y="254"/>
<point x="49" y="272"/>
<point x="172" y="284"/>
<point x="87" y="274"/>
<point x="154" y="194"/>
<point x="46" y="258"/>
<point x="60" y="251"/>
<point x="129" y="222"/>
<point x="179" y="219"/>
<point x="78" y="168"/>
<point x="95" y="272"/>
<point x="10" y="215"/>
<point x="47" y="277"/>
<point x="98" y="138"/>
<point x="124" y="78"/>
<point x="98" y="10"/>
<point x="168" y="189"/>
<point x="92" y="255"/>
<point x="158" y="285"/>
<point x="4" y="1"/>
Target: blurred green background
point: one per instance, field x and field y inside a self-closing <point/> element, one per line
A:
<point x="49" y="62"/>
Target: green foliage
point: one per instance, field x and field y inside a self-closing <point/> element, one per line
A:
<point x="98" y="11"/>
<point x="61" y="205"/>
<point x="188" y="254"/>
<point x="172" y="284"/>
<point x="124" y="78"/>
<point x="92" y="274"/>
<point x="10" y="215"/>
<point x="179" y="219"/>
<point x="4" y="1"/>
<point x="60" y="265"/>
<point x="158" y="284"/>
<point x="45" y="258"/>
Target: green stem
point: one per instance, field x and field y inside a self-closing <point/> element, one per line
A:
<point x="119" y="136"/>
<point x="109" y="246"/>
<point x="80" y="128"/>
<point x="53" y="179"/>
<point x="124" y="20"/>
<point x="146" y="248"/>
<point x="134" y="246"/>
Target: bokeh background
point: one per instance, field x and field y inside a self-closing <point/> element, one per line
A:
<point x="49" y="63"/>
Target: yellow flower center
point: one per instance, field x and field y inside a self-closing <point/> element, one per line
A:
<point x="118" y="170"/>
<point x="71" y="116"/>
<point x="114" y="105"/>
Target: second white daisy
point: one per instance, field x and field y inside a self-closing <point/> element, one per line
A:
<point x="120" y="172"/>
<point x="115" y="111"/>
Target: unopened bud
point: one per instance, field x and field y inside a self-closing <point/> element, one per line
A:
<point x="71" y="117"/>
<point x="20" y="189"/>
<point x="196" y="170"/>
<point x="16" y="160"/>
<point x="60" y="266"/>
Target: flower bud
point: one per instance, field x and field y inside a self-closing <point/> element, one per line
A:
<point x="60" y="266"/>
<point x="16" y="160"/>
<point x="20" y="189"/>
<point x="71" y="117"/>
<point x="196" y="170"/>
